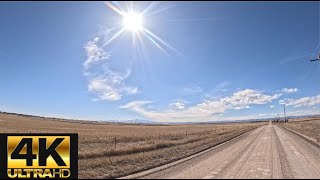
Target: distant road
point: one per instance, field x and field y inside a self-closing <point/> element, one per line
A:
<point x="267" y="152"/>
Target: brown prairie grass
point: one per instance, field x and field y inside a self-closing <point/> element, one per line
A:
<point x="109" y="150"/>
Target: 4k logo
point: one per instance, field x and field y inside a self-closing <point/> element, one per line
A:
<point x="39" y="156"/>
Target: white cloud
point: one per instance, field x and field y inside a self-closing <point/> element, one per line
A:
<point x="243" y="107"/>
<point x="304" y="101"/>
<point x="94" y="53"/>
<point x="282" y="101"/>
<point x="244" y="98"/>
<point x="179" y="105"/>
<point x="271" y="106"/>
<point x="206" y="110"/>
<point x="289" y="90"/>
<point x="110" y="86"/>
<point x="107" y="84"/>
<point x="135" y="104"/>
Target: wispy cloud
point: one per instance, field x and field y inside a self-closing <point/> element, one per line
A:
<point x="192" y="89"/>
<point x="294" y="59"/>
<point x="94" y="53"/>
<point x="206" y="110"/>
<point x="135" y="105"/>
<point x="110" y="86"/>
<point x="289" y="90"/>
<point x="220" y="89"/>
<point x="105" y="83"/>
<point x="223" y="86"/>
<point x="313" y="111"/>
<point x="304" y="101"/>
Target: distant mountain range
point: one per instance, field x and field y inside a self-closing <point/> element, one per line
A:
<point x="142" y="121"/>
<point x="132" y="121"/>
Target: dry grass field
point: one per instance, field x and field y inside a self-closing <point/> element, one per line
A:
<point x="108" y="150"/>
<point x="309" y="127"/>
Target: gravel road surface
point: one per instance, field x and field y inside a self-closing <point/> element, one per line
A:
<point x="267" y="152"/>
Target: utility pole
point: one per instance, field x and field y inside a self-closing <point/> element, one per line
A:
<point x="284" y="112"/>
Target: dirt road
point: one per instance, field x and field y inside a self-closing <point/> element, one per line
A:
<point x="267" y="152"/>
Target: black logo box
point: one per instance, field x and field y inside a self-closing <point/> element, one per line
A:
<point x="73" y="151"/>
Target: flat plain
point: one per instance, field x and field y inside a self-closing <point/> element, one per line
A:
<point x="111" y="150"/>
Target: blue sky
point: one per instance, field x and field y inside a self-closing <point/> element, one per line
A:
<point x="194" y="61"/>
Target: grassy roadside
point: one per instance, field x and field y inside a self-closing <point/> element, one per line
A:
<point x="122" y="165"/>
<point x="308" y="128"/>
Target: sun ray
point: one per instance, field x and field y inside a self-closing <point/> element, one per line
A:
<point x="129" y="5"/>
<point x="150" y="7"/>
<point x="113" y="37"/>
<point x="119" y="5"/>
<point x="160" y="40"/>
<point x="155" y="42"/>
<point x="141" y="44"/>
<point x="133" y="39"/>
<point x="126" y="5"/>
<point x="194" y="19"/>
<point x="113" y="7"/>
<point x="159" y="10"/>
<point x="132" y="21"/>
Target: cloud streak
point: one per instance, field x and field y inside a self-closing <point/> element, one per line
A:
<point x="110" y="86"/>
<point x="289" y="90"/>
<point x="106" y="84"/>
<point x="304" y="101"/>
<point x="204" y="111"/>
<point x="192" y="89"/>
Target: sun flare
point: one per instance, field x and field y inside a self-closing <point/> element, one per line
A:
<point x="132" y="21"/>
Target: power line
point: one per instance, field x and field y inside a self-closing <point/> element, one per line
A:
<point x="318" y="59"/>
<point x="311" y="60"/>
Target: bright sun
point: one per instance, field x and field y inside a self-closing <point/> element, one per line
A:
<point x="132" y="21"/>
